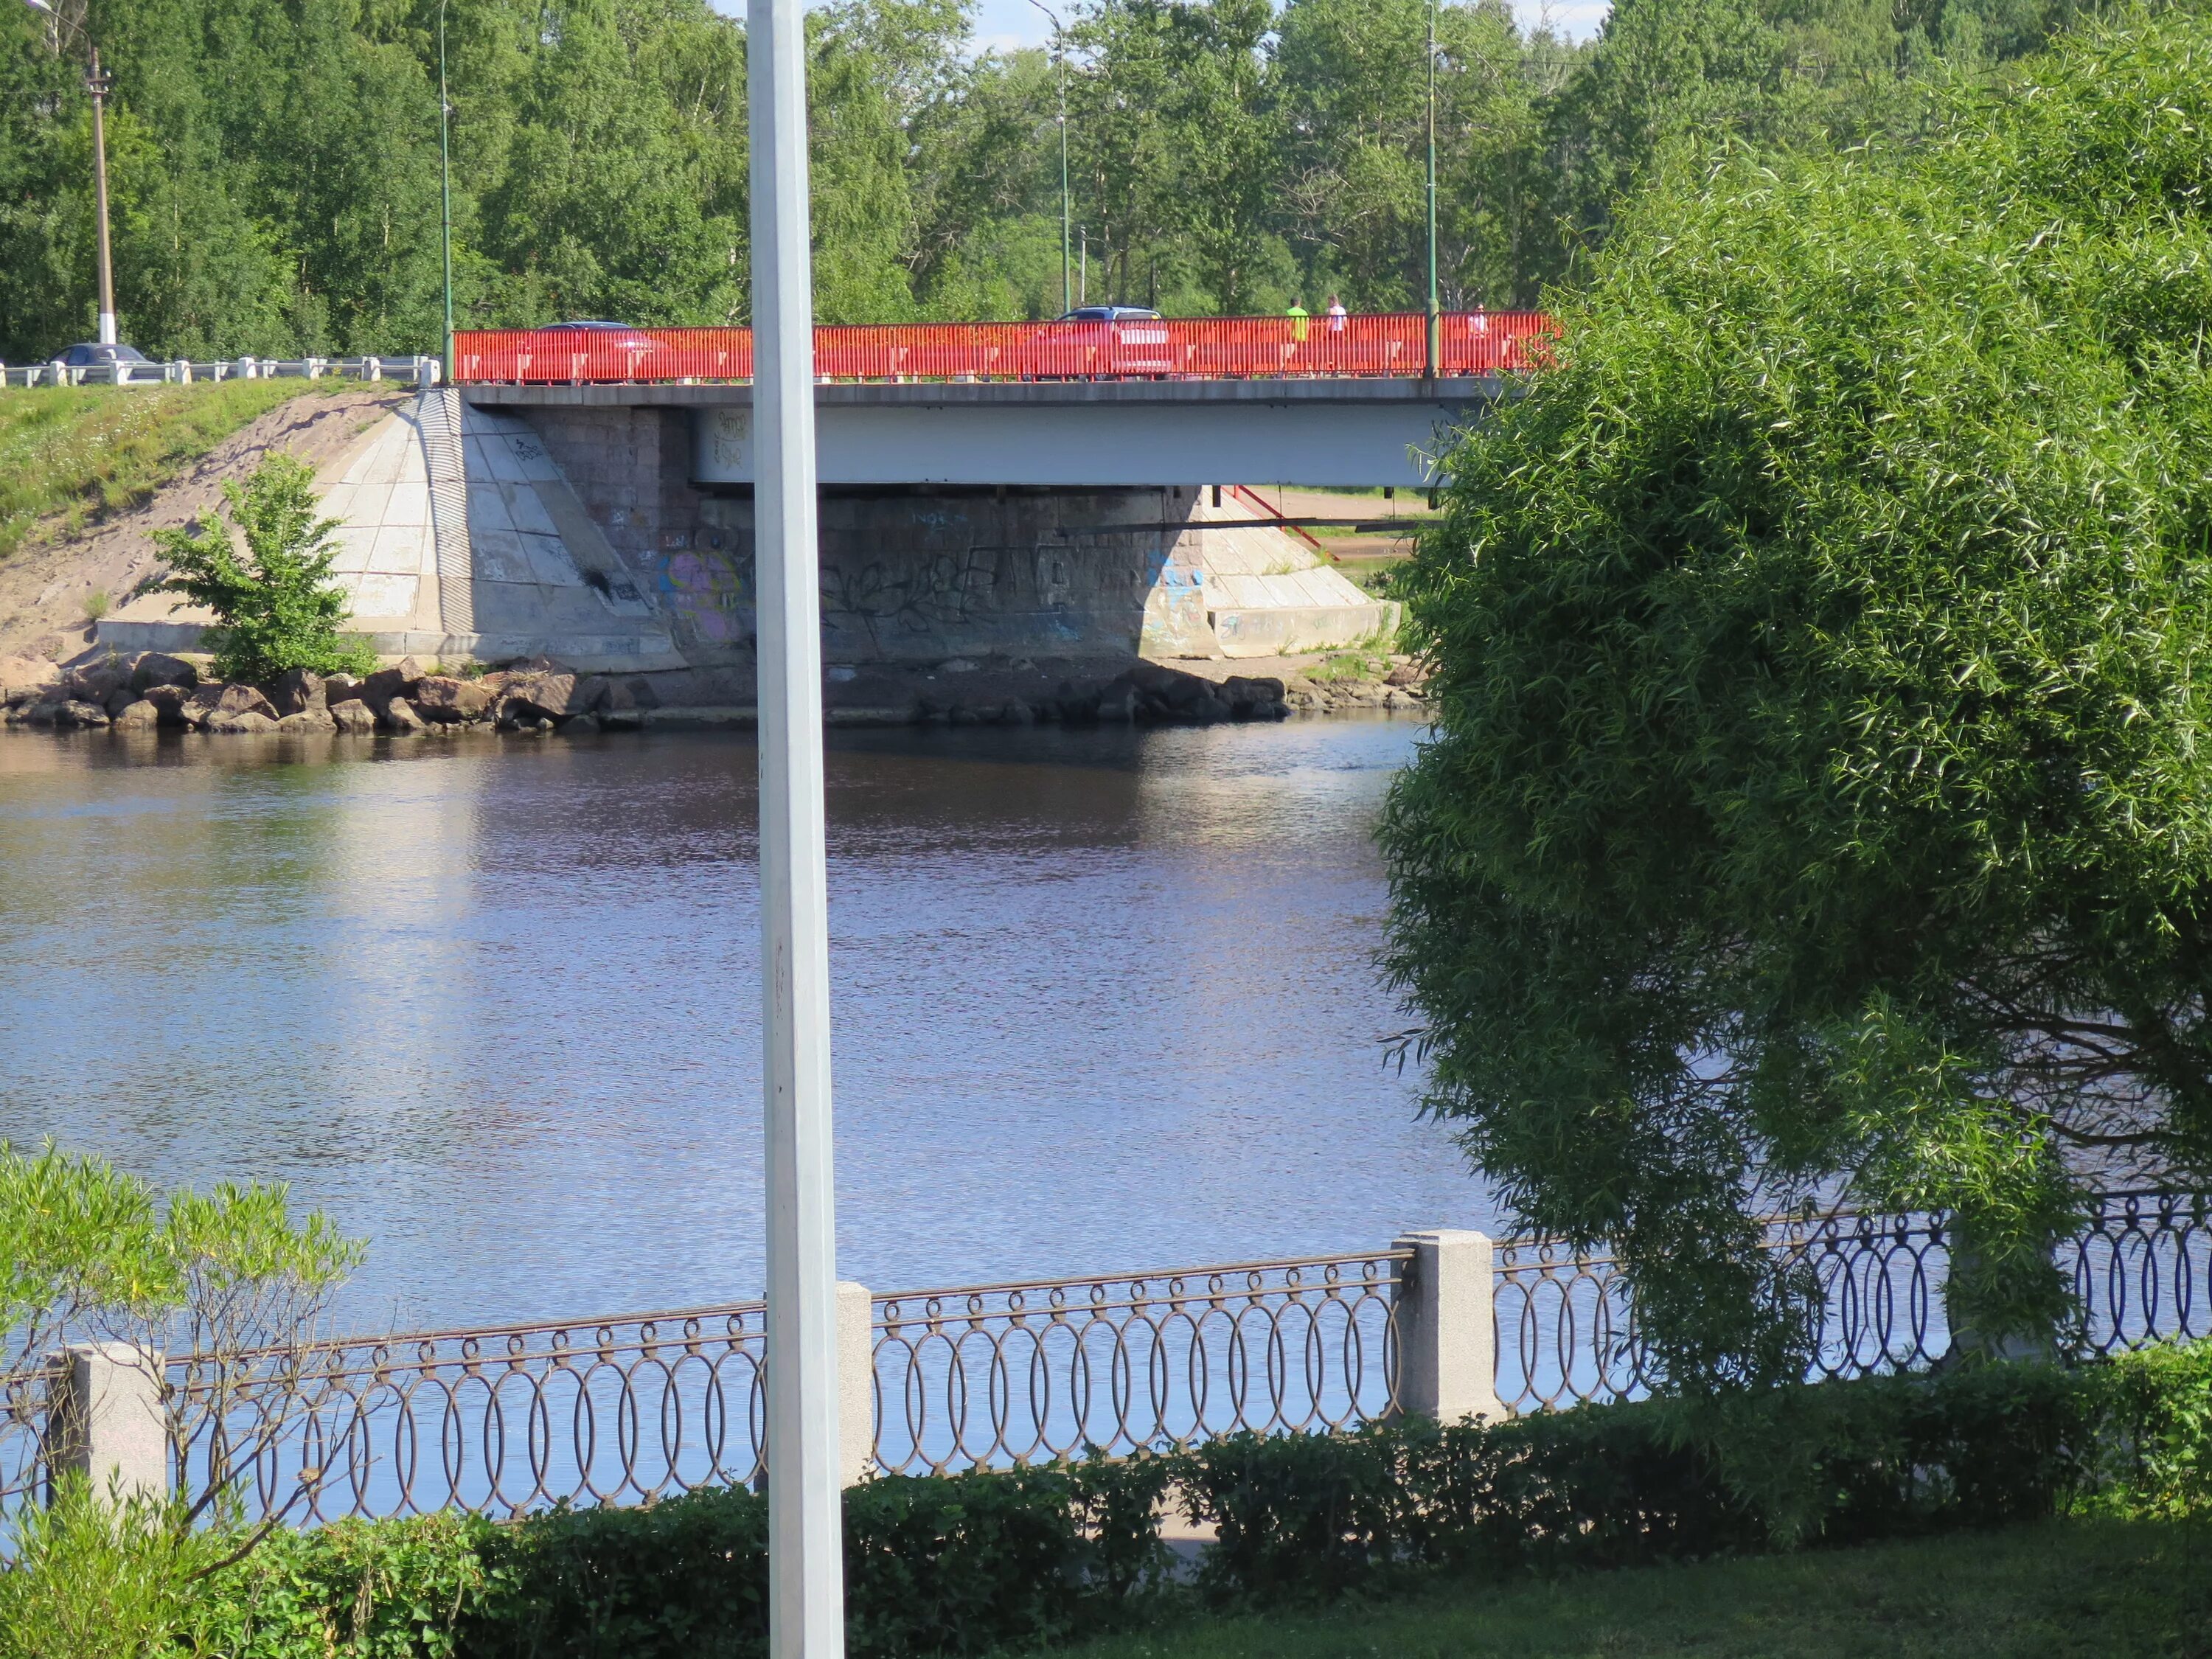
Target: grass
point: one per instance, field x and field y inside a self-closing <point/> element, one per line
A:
<point x="68" y="453"/>
<point x="1362" y="659"/>
<point x="2114" y="1589"/>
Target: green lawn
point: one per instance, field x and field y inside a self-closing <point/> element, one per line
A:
<point x="2111" y="1590"/>
<point x="77" y="451"/>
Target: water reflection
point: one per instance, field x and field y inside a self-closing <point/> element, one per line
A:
<point x="1104" y="1000"/>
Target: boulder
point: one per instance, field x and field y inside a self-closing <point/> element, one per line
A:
<point x="386" y="684"/>
<point x="235" y="699"/>
<point x="42" y="713"/>
<point x="245" y="722"/>
<point x="621" y="719"/>
<point x="98" y="682"/>
<point x="590" y="694"/>
<point x="1016" y="713"/>
<point x="296" y="691"/>
<point x="642" y="694"/>
<point x="309" y="719"/>
<point x="1241" y="691"/>
<point x="578" y="726"/>
<point x="76" y="712"/>
<point x="138" y="716"/>
<point x="159" y="668"/>
<point x="399" y="716"/>
<point x="170" y="702"/>
<point x="1207" y="710"/>
<point x="119" y="700"/>
<point x="449" y="701"/>
<point x="352" y="715"/>
<point x="964" y="716"/>
<point x="340" y="688"/>
<point x="550" y="696"/>
<point x="1405" y="673"/>
<point x="1118" y="703"/>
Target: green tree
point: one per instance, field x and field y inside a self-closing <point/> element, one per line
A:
<point x="1819" y="807"/>
<point x="89" y="1253"/>
<point x="275" y="607"/>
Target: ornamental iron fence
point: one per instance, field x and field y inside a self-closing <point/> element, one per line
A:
<point x="512" y="1420"/>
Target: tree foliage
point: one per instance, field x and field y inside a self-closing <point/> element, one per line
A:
<point x="277" y="608"/>
<point x="1821" y="805"/>
<point x="276" y="162"/>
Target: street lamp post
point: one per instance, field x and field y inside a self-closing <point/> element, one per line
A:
<point x="806" y="1574"/>
<point x="445" y="187"/>
<point x="99" y="83"/>
<point x="1066" y="207"/>
<point x="1435" y="315"/>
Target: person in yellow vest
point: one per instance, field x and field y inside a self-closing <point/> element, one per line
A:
<point x="1299" y="315"/>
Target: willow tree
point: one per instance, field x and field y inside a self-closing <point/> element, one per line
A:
<point x="1820" y="807"/>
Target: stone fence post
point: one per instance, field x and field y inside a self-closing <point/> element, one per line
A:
<point x="856" y="1382"/>
<point x="104" y="1421"/>
<point x="1446" y="1341"/>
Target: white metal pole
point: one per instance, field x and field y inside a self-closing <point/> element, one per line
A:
<point x="807" y="1571"/>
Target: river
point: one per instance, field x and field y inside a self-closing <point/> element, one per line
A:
<point x="1104" y="1001"/>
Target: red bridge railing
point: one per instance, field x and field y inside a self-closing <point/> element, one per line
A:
<point x="1201" y="348"/>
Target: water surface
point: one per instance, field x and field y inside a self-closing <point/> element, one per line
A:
<point x="1103" y="1001"/>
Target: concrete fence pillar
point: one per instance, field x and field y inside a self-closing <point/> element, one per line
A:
<point x="856" y="1382"/>
<point x="1447" y="1339"/>
<point x="104" y="1421"/>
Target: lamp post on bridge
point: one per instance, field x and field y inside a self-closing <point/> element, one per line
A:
<point x="1066" y="208"/>
<point x="445" y="187"/>
<point x="99" y="83"/>
<point x="1435" y="354"/>
<point x="806" y="1573"/>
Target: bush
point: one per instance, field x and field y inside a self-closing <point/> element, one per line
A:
<point x="276" y="608"/>
<point x="987" y="1562"/>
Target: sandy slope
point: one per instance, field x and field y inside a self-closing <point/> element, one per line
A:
<point x="43" y="586"/>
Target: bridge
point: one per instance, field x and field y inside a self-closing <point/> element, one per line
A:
<point x="1342" y="401"/>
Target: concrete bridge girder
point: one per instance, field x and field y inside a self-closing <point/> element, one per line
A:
<point x="1137" y="435"/>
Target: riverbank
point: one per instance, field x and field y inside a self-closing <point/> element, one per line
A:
<point x="149" y="691"/>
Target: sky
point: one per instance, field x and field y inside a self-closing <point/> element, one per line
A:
<point x="1009" y="23"/>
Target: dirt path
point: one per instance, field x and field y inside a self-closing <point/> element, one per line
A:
<point x="44" y="586"/>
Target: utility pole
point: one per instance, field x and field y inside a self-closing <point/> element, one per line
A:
<point x="1066" y="208"/>
<point x="806" y="1567"/>
<point x="99" y="83"/>
<point x="446" y="188"/>
<point x="1435" y="360"/>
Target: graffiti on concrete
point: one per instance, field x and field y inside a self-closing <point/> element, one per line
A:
<point x="705" y="588"/>
<point x="920" y="593"/>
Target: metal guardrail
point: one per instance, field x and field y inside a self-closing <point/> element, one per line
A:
<point x="1201" y="348"/>
<point x="410" y="371"/>
<point x="514" y="1419"/>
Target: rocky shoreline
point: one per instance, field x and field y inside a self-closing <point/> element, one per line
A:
<point x="153" y="692"/>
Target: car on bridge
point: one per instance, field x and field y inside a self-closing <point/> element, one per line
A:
<point x="593" y="349"/>
<point x="92" y="354"/>
<point x="1114" y="340"/>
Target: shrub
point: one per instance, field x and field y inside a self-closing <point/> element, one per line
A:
<point x="275" y="607"/>
<point x="384" y="1590"/>
<point x="987" y="1562"/>
<point x="1818" y="794"/>
<point x="91" y="1577"/>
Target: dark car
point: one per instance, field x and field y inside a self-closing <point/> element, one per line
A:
<point x="88" y="353"/>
